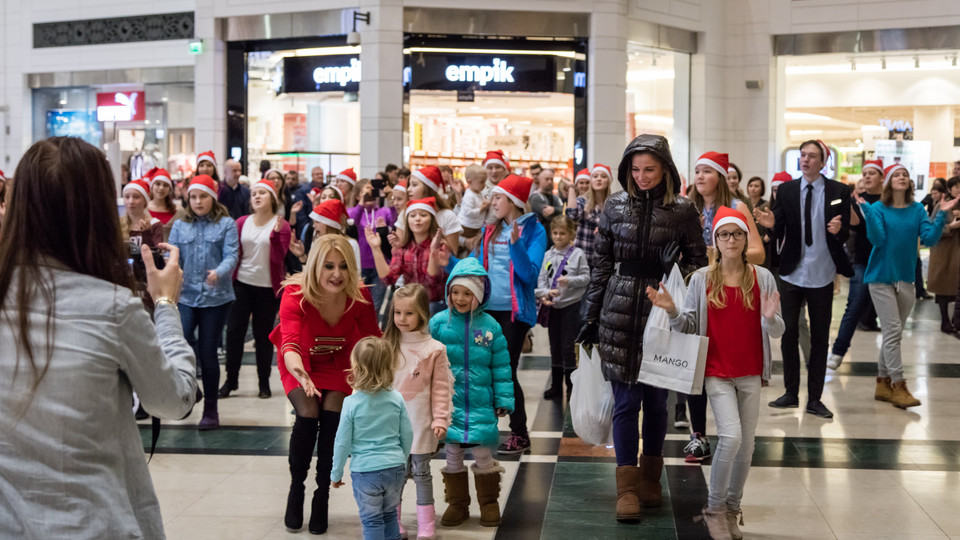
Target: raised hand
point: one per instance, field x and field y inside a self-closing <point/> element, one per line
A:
<point x="661" y="298"/>
<point x="381" y="222"/>
<point x="297" y="206"/>
<point x="278" y="225"/>
<point x="515" y="232"/>
<point x="296" y="247"/>
<point x="946" y="206"/>
<point x="438" y="241"/>
<point x="394" y="240"/>
<point x="764" y="217"/>
<point x="769" y="304"/>
<point x="373" y="239"/>
<point x="167" y="282"/>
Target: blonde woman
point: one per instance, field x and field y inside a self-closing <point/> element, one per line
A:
<point x="324" y="312"/>
<point x="585" y="209"/>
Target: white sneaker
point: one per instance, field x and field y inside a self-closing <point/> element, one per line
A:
<point x="834" y="361"/>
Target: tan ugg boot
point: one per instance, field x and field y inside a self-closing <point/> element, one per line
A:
<point x="488" y="492"/>
<point x="457" y="494"/>
<point x="884" y="389"/>
<point x="628" y="498"/>
<point x="732" y="524"/>
<point x="902" y="397"/>
<point x="716" y="522"/>
<point x="651" y="492"/>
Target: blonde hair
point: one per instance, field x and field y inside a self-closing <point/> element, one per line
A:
<point x="371" y="365"/>
<point x="716" y="294"/>
<point x="309" y="279"/>
<point x="591" y="197"/>
<point x="421" y="305"/>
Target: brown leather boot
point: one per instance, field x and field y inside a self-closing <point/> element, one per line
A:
<point x="628" y="498"/>
<point x="488" y="492"/>
<point x="651" y="492"/>
<point x="884" y="390"/>
<point x="457" y="495"/>
<point x="902" y="397"/>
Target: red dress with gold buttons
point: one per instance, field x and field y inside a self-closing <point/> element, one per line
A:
<point x="325" y="349"/>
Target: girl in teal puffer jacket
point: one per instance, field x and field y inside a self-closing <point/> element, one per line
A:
<point x="483" y="391"/>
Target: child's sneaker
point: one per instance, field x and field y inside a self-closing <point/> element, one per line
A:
<point x="516" y="444"/>
<point x="698" y="449"/>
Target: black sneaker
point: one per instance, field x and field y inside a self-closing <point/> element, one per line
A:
<point x="817" y="408"/>
<point x="680" y="416"/>
<point x="786" y="401"/>
<point x="698" y="449"/>
<point x="516" y="444"/>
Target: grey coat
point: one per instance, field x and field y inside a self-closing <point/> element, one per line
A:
<point x="71" y="458"/>
<point x="578" y="276"/>
<point x="688" y="319"/>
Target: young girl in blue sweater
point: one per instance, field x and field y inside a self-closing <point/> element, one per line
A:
<point x="483" y="391"/>
<point x="375" y="432"/>
<point x="893" y="225"/>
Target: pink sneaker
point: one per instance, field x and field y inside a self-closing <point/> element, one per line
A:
<point x="426" y="522"/>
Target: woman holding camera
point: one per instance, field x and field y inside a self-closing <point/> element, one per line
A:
<point x="77" y="343"/>
<point x="643" y="231"/>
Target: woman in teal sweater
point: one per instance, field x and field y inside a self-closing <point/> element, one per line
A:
<point x="483" y="391"/>
<point x="893" y="225"/>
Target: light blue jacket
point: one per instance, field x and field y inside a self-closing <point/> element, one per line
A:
<point x="374" y="430"/>
<point x="205" y="245"/>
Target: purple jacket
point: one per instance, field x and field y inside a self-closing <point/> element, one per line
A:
<point x="369" y="219"/>
<point x="279" y="245"/>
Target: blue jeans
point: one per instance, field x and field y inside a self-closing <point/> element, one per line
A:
<point x="378" y="494"/>
<point x="628" y="400"/>
<point x="210" y="322"/>
<point x="858" y="301"/>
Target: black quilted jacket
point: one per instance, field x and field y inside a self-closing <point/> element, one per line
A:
<point x="635" y="230"/>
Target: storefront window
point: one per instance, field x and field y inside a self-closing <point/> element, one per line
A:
<point x="303" y="110"/>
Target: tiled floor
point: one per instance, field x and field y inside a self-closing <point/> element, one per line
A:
<point x="873" y="472"/>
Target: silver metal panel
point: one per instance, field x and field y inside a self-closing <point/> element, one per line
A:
<point x="284" y="25"/>
<point x="860" y="41"/>
<point x="661" y="37"/>
<point x="477" y="22"/>
<point x="113" y="76"/>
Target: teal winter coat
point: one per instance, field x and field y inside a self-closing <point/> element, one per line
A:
<point x="480" y="364"/>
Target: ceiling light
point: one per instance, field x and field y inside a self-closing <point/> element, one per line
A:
<point x="792" y="115"/>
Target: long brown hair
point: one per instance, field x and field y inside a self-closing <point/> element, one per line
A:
<point x="421" y="304"/>
<point x="722" y="198"/>
<point x="61" y="210"/>
<point x="217" y="211"/>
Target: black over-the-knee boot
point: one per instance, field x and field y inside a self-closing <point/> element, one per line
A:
<point x="303" y="438"/>
<point x="329" y="422"/>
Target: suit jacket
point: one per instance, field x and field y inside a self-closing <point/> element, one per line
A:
<point x="789" y="226"/>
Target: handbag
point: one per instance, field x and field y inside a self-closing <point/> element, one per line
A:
<point x="543" y="312"/>
<point x="672" y="360"/>
<point x="591" y="401"/>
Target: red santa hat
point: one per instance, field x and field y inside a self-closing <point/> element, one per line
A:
<point x="204" y="183"/>
<point x="496" y="156"/>
<point x="347" y="175"/>
<point x="824" y="150"/>
<point x="139" y="186"/>
<point x="716" y="161"/>
<point x="316" y="191"/>
<point x="516" y="188"/>
<point x="330" y="212"/>
<point x="2" y="177"/>
<point x="268" y="171"/>
<point x="873" y="164"/>
<point x="888" y="172"/>
<point x="159" y="175"/>
<point x="267" y="185"/>
<point x="207" y="156"/>
<point x="725" y="216"/>
<point x="401" y="186"/>
<point x="780" y="177"/>
<point x="428" y="204"/>
<point x="336" y="190"/>
<point x="601" y="167"/>
<point x="585" y="173"/>
<point x="430" y="176"/>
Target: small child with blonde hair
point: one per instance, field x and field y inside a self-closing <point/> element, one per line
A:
<point x="376" y="433"/>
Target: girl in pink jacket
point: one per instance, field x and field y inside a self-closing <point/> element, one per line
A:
<point x="422" y="375"/>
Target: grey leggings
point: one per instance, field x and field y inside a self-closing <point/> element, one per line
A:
<point x="418" y="468"/>
<point x="736" y="409"/>
<point x="893" y="303"/>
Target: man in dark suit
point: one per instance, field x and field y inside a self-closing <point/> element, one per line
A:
<point x="811" y="218"/>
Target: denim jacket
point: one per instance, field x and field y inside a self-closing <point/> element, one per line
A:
<point x="205" y="245"/>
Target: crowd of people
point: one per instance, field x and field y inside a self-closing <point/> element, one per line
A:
<point x="397" y="308"/>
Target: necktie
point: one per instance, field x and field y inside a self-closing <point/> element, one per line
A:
<point x="807" y="221"/>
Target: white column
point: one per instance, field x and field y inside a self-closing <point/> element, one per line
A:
<point x="607" y="83"/>
<point x="209" y="86"/>
<point x="15" y="103"/>
<point x="935" y="124"/>
<point x="381" y="85"/>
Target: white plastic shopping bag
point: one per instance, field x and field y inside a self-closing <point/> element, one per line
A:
<point x="591" y="403"/>
<point x="672" y="360"/>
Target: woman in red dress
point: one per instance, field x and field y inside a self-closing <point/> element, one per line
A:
<point x="324" y="312"/>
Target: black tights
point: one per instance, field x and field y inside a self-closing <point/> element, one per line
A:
<point x="310" y="407"/>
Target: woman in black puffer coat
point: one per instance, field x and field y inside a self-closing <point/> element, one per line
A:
<point x="643" y="231"/>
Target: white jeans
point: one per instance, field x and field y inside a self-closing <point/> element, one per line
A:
<point x="893" y="303"/>
<point x="736" y="409"/>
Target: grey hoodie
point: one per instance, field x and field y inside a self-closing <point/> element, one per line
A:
<point x="576" y="270"/>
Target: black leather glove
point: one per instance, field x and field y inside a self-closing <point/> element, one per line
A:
<point x="669" y="255"/>
<point x="588" y="334"/>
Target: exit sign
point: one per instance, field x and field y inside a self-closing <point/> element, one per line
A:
<point x="196" y="47"/>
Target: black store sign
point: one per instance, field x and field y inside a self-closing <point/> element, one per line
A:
<point x="332" y="73"/>
<point x="501" y="72"/>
